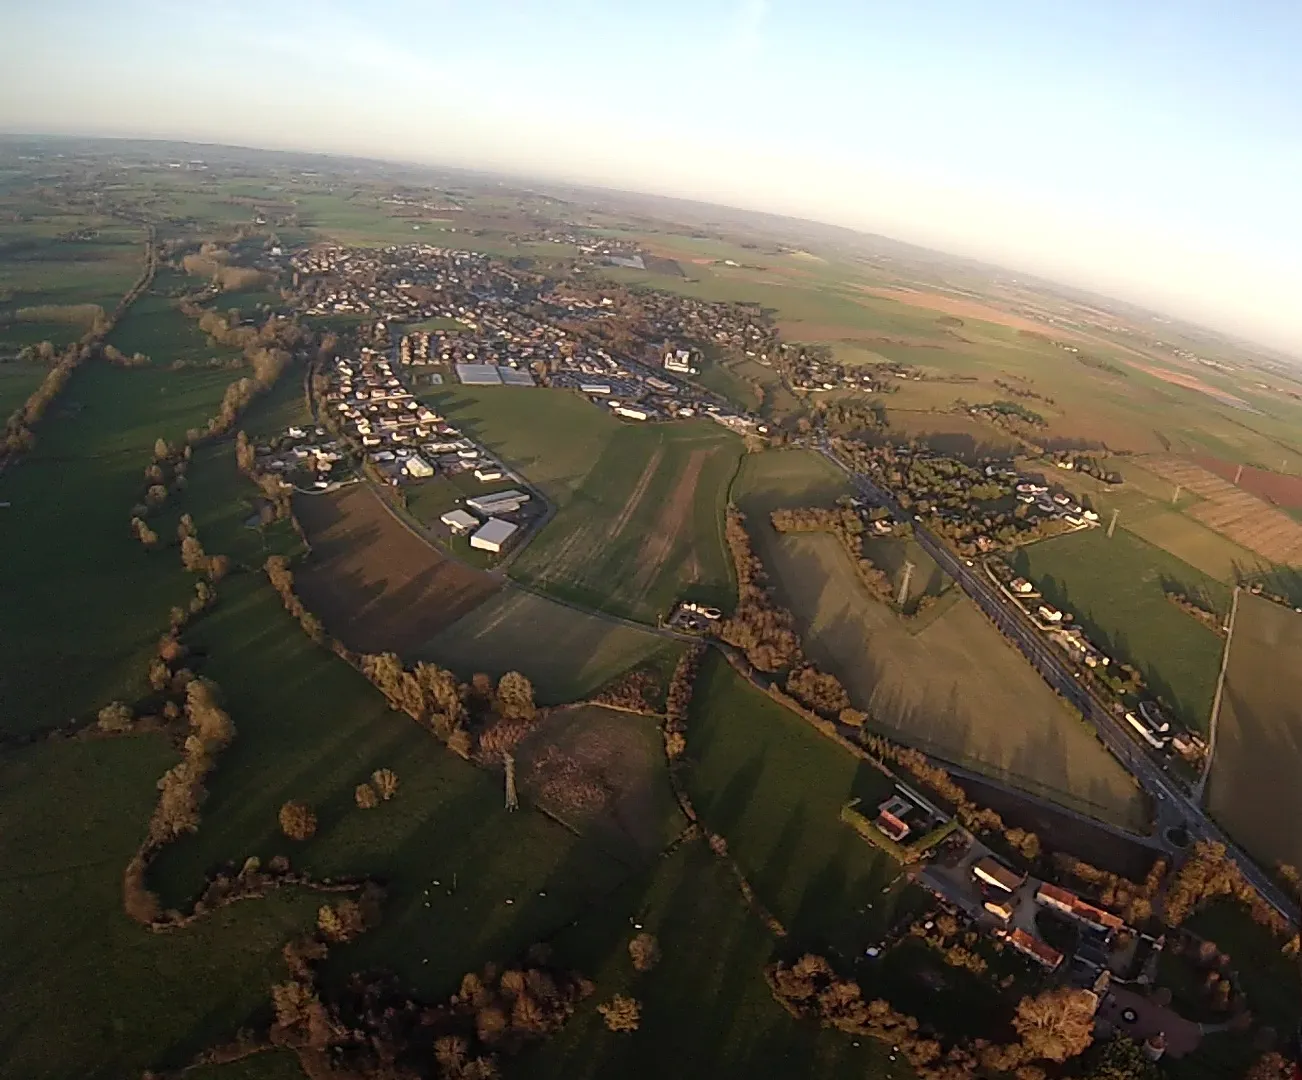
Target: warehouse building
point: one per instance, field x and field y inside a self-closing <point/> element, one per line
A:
<point x="493" y="535"/>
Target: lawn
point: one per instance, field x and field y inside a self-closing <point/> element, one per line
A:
<point x="949" y="685"/>
<point x="1253" y="789"/>
<point x="774" y="788"/>
<point x="86" y="601"/>
<point x="639" y="508"/>
<point x="1116" y="589"/>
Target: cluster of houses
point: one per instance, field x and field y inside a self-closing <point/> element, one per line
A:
<point x="308" y="458"/>
<point x="812" y="369"/>
<point x="1054" y="504"/>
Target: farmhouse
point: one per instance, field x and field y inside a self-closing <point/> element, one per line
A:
<point x="493" y="535"/>
<point x="459" y="521"/>
<point x="1048" y="958"/>
<point x="996" y="874"/>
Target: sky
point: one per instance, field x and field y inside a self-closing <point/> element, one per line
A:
<point x="1150" y="149"/>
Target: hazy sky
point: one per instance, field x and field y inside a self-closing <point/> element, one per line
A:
<point x="1151" y="148"/>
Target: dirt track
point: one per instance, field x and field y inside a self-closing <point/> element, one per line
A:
<point x="375" y="584"/>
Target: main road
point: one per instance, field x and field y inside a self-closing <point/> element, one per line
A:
<point x="1173" y="807"/>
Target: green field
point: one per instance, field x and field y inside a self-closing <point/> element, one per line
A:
<point x="949" y="684"/>
<point x="639" y="508"/>
<point x="786" y="479"/>
<point x="1253" y="790"/>
<point x="17" y="381"/>
<point x="566" y="652"/>
<point x="1116" y="588"/>
<point x="774" y="788"/>
<point x="86" y="601"/>
<point x="157" y="329"/>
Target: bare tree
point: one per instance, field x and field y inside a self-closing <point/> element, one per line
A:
<point x="386" y="783"/>
<point x="645" y="951"/>
<point x="621" y="1013"/>
<point x="297" y="821"/>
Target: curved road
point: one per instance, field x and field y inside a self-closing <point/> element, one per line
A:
<point x="1172" y="805"/>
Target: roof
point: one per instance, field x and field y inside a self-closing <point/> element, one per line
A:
<point x="498" y="498"/>
<point x="1034" y="948"/>
<point x="1057" y="894"/>
<point x="997" y="873"/>
<point x="459" y="519"/>
<point x="494" y="531"/>
<point x="515" y="377"/>
<point x="479" y="374"/>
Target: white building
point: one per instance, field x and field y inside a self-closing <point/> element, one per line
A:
<point x="418" y="467"/>
<point x="679" y="360"/>
<point x="459" y="521"/>
<point x="493" y="535"/>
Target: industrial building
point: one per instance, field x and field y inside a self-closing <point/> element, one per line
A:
<point x="493" y="535"/>
<point x="501" y="502"/>
<point x="459" y="521"/>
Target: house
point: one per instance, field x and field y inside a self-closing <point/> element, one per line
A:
<point x="493" y="535"/>
<point x="632" y="413"/>
<point x="488" y="473"/>
<point x="1021" y="585"/>
<point x="459" y="521"/>
<point x="996" y="874"/>
<point x="1052" y="896"/>
<point x="679" y="360"/>
<point x="1000" y="909"/>
<point x="1048" y="958"/>
<point x="1071" y="905"/>
<point x="1049" y="613"/>
<point x="418" y="467"/>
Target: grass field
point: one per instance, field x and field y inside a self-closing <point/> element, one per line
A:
<point x="140" y="998"/>
<point x="566" y="652"/>
<point x="952" y="687"/>
<point x="17" y="381"/>
<point x="639" y="509"/>
<point x="1116" y="589"/>
<point x="774" y="788"/>
<point x="785" y="479"/>
<point x="707" y="1013"/>
<point x="86" y="601"/>
<point x="1253" y="789"/>
<point x="154" y="327"/>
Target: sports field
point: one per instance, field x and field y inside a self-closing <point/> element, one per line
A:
<point x="1116" y="589"/>
<point x="1253" y="789"/>
<point x="639" y="508"/>
<point x="953" y="687"/>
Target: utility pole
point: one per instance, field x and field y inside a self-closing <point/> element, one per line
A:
<point x="1112" y="525"/>
<point x="512" y="800"/>
<point x="1238" y="474"/>
<point x="1176" y="497"/>
<point x="904" y="585"/>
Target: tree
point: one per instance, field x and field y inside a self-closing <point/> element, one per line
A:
<point x="1057" y="1024"/>
<point x="1120" y="1059"/>
<point x="645" y="951"/>
<point x="115" y="717"/>
<point x="297" y="821"/>
<point x="1272" y="1066"/>
<point x="342" y="921"/>
<point x="386" y="783"/>
<point x="365" y="797"/>
<point x="515" y="697"/>
<point x="161" y="450"/>
<point x="621" y="1013"/>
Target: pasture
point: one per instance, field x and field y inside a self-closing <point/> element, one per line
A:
<point x="707" y="1013"/>
<point x="154" y="327"/>
<point x="17" y="381"/>
<point x="567" y="653"/>
<point x="785" y="479"/>
<point x="1253" y="788"/>
<point x="952" y="687"/>
<point x="375" y="584"/>
<point x="774" y="787"/>
<point x="86" y="601"/>
<point x="1116" y="589"/>
<point x="639" y="509"/>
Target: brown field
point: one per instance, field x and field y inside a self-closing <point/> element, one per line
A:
<point x="674" y="520"/>
<point x="964" y="309"/>
<point x="1192" y="382"/>
<point x="1253" y="790"/>
<point x="1278" y="488"/>
<point x="602" y="772"/>
<point x="954" y="687"/>
<point x="1233" y="513"/>
<point x="374" y="583"/>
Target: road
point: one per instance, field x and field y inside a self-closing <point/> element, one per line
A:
<point x="1173" y="807"/>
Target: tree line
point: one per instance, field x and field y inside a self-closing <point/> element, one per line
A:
<point x="764" y="631"/>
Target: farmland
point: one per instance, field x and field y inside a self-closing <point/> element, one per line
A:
<point x="1253" y="790"/>
<point x="952" y="687"/>
<point x="1116" y="589"/>
<point x="567" y="653"/>
<point x="372" y="581"/>
<point x="158" y="330"/>
<point x="638" y="518"/>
